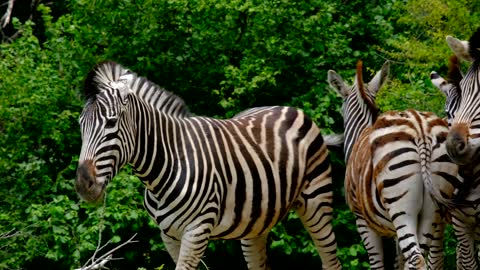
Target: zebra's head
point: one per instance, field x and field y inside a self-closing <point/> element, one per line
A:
<point x="359" y="108"/>
<point x="463" y="140"/>
<point x="449" y="87"/>
<point x="105" y="127"/>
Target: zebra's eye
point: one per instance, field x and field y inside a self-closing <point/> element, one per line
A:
<point x="110" y="122"/>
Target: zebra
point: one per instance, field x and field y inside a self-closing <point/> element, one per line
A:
<point x="462" y="144"/>
<point x="394" y="162"/>
<point x="449" y="87"/>
<point x="206" y="178"/>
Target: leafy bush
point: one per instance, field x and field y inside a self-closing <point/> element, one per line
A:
<point x="222" y="57"/>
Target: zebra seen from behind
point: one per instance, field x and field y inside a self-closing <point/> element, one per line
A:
<point x="462" y="108"/>
<point x="206" y="178"/>
<point x="394" y="162"/>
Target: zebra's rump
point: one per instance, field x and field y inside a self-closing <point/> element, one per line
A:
<point x="393" y="162"/>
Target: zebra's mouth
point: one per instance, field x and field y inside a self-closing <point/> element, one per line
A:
<point x="92" y="194"/>
<point x="87" y="184"/>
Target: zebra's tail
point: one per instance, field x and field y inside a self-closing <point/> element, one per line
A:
<point x="434" y="189"/>
<point x="334" y="139"/>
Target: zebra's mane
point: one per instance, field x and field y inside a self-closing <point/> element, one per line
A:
<point x="474" y="45"/>
<point x="363" y="92"/>
<point x="104" y="73"/>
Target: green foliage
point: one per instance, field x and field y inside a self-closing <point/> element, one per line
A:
<point x="419" y="94"/>
<point x="221" y="57"/>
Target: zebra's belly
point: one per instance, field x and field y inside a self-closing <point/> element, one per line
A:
<point x="228" y="229"/>
<point x="232" y="220"/>
<point x="253" y="221"/>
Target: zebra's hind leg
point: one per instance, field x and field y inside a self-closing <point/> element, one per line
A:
<point x="315" y="212"/>
<point x="255" y="252"/>
<point x="172" y="246"/>
<point x="430" y="233"/>
<point x="373" y="244"/>
<point x="193" y="245"/>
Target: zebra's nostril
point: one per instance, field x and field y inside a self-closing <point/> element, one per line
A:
<point x="461" y="146"/>
<point x="86" y="175"/>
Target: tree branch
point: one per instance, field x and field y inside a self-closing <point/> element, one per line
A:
<point x="6" y="17"/>
<point x="102" y="260"/>
<point x="12" y="233"/>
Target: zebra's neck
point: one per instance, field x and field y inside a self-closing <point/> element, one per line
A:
<point x="358" y="115"/>
<point x="156" y="131"/>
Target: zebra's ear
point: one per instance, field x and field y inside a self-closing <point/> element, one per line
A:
<point x="379" y="79"/>
<point x="460" y="48"/>
<point x="124" y="84"/>
<point x="443" y="85"/>
<point x="336" y="82"/>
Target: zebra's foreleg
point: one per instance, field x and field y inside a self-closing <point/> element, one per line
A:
<point x="315" y="212"/>
<point x="435" y="258"/>
<point x="193" y="245"/>
<point x="172" y="246"/>
<point x="255" y="252"/>
<point x="373" y="244"/>
<point x="466" y="255"/>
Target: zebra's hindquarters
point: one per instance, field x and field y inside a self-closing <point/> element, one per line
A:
<point x="387" y="186"/>
<point x="315" y="206"/>
<point x="312" y="192"/>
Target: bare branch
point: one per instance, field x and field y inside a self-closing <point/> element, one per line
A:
<point x="102" y="260"/>
<point x="6" y="17"/>
<point x="12" y="233"/>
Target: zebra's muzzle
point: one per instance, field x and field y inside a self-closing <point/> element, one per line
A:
<point x="86" y="184"/>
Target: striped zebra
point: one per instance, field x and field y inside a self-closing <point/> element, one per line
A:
<point x="206" y="178"/>
<point x="449" y="87"/>
<point x="463" y="109"/>
<point x="394" y="162"/>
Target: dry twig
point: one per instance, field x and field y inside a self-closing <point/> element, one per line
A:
<point x="102" y="260"/>
<point x="12" y="233"/>
<point x="8" y="14"/>
<point x="99" y="263"/>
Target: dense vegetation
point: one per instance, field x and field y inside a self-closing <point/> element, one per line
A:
<point x="221" y="57"/>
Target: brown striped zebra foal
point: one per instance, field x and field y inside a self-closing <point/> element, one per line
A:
<point x="393" y="163"/>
